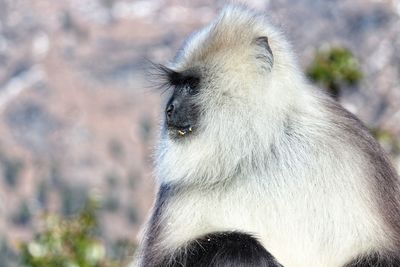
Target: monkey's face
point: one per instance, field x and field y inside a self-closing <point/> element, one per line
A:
<point x="204" y="91"/>
<point x="182" y="109"/>
<point x="230" y="85"/>
<point x="220" y="76"/>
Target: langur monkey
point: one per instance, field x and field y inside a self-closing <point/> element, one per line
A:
<point x="256" y="167"/>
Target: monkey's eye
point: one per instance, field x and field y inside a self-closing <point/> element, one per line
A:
<point x="193" y="83"/>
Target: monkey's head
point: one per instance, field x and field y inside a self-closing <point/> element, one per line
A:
<point x="230" y="86"/>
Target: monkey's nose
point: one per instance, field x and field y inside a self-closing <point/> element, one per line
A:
<point x="169" y="111"/>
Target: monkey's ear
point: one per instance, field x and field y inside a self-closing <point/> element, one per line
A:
<point x="264" y="52"/>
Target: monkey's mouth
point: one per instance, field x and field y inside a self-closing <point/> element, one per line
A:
<point x="181" y="130"/>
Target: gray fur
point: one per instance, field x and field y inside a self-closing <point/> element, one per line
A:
<point x="270" y="156"/>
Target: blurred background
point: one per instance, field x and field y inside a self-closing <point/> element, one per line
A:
<point x="79" y="120"/>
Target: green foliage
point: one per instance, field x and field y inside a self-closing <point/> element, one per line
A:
<point x="335" y="68"/>
<point x="68" y="243"/>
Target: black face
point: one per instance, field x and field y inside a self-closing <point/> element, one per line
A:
<point x="182" y="112"/>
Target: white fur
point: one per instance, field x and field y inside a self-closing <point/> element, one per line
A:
<point x="307" y="202"/>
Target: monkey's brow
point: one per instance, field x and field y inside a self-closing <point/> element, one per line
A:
<point x="160" y="76"/>
<point x="165" y="74"/>
<point x="167" y="77"/>
<point x="187" y="77"/>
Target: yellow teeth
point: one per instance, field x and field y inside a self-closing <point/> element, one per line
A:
<point x="185" y="131"/>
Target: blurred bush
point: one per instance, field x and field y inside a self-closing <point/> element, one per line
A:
<point x="388" y="140"/>
<point x="334" y="68"/>
<point x="68" y="243"/>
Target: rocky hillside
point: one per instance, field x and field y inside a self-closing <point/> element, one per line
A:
<point x="79" y="119"/>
